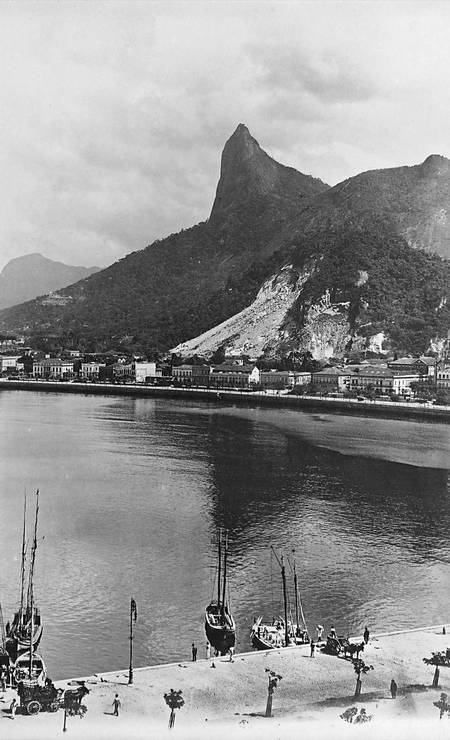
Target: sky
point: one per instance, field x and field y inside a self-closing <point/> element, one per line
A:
<point x="113" y="115"/>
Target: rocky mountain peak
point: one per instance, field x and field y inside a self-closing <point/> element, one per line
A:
<point x="247" y="172"/>
<point x="435" y="165"/>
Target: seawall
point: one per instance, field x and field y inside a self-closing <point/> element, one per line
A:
<point x="383" y="409"/>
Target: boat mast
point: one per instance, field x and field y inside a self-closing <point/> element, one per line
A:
<point x="2" y="627"/>
<point x="22" y="573"/>
<point x="283" y="578"/>
<point x="224" y="574"/>
<point x="296" y="597"/>
<point x="219" y="569"/>
<point x="30" y="584"/>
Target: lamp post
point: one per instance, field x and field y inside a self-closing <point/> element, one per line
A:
<point x="133" y="618"/>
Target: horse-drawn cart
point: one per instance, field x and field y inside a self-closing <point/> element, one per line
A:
<point x="35" y="698"/>
<point x="336" y="644"/>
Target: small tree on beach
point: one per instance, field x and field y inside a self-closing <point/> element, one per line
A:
<point x="349" y="714"/>
<point x="360" y="669"/>
<point x="442" y="705"/>
<point x="437" y="659"/>
<point x="174" y="700"/>
<point x="273" y="683"/>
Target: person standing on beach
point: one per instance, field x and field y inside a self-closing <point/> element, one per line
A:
<point x="116" y="704"/>
<point x="194" y="652"/>
<point x="313" y="648"/>
<point x="393" y="688"/>
<point x="366" y="635"/>
<point x="13" y="708"/>
<point x="231" y="652"/>
<point x="319" y="632"/>
<point x="208" y="651"/>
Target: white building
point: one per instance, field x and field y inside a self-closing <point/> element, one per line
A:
<point x="143" y="370"/>
<point x="234" y="376"/>
<point x="283" y="378"/>
<point x="53" y="368"/>
<point x="8" y="362"/>
<point x="443" y="377"/>
<point x="91" y="370"/>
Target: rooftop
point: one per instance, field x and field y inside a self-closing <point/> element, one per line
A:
<point x="334" y="371"/>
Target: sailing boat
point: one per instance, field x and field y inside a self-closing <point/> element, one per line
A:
<point x="219" y="623"/>
<point x="25" y="632"/>
<point x="282" y="632"/>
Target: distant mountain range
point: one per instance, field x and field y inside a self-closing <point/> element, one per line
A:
<point x="284" y="264"/>
<point x="32" y="275"/>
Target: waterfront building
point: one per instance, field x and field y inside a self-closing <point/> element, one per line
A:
<point x="283" y="378"/>
<point x="53" y="368"/>
<point x="91" y="370"/>
<point x="416" y="365"/>
<point x="191" y="374"/>
<point x="443" y="377"/>
<point x="135" y="372"/>
<point x="234" y="376"/>
<point x="144" y="370"/>
<point x="8" y="362"/>
<point x="335" y="378"/>
<point x="384" y="380"/>
<point x="431" y="364"/>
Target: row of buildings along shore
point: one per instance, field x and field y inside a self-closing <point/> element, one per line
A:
<point x="381" y="377"/>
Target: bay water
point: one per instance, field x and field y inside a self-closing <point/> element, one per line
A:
<point x="133" y="493"/>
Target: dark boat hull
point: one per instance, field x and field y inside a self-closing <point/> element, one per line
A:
<point x="221" y="636"/>
<point x="17" y="643"/>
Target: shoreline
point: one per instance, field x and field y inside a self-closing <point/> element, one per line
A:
<point x="231" y="697"/>
<point x="379" y="409"/>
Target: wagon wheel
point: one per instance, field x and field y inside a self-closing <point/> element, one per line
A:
<point x="33" y="707"/>
<point x="54" y="706"/>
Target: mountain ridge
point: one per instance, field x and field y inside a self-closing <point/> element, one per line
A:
<point x="385" y="224"/>
<point x="30" y="275"/>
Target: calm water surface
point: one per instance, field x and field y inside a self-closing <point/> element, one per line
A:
<point x="133" y="492"/>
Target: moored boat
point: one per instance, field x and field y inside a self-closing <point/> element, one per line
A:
<point x="25" y="631"/>
<point x="282" y="632"/>
<point x="220" y="627"/>
<point x="29" y="669"/>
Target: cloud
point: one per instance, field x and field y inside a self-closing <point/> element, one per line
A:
<point x="113" y="115"/>
<point x="328" y="77"/>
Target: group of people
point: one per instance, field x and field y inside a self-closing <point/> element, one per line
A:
<point x="194" y="652"/>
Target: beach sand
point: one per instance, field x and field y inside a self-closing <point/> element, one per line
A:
<point x="230" y="699"/>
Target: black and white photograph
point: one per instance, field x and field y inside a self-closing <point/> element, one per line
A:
<point x="224" y="369"/>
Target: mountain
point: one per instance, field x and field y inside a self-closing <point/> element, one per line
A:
<point x="24" y="278"/>
<point x="364" y="267"/>
<point x="190" y="281"/>
<point x="283" y="265"/>
<point x="414" y="201"/>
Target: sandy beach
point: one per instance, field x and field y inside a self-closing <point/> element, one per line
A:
<point x="231" y="697"/>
